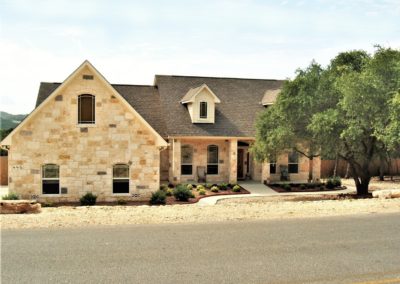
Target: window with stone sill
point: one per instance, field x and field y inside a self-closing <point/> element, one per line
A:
<point x="212" y="160"/>
<point x="120" y="179"/>
<point x="86" y="109"/>
<point x="50" y="179"/>
<point x="272" y="165"/>
<point x="186" y="160"/>
<point x="293" y="165"/>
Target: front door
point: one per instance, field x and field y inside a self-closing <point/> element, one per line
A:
<point x="240" y="164"/>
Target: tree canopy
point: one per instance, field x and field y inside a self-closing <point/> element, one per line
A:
<point x="350" y="109"/>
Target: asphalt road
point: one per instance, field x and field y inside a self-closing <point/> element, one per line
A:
<point x="353" y="249"/>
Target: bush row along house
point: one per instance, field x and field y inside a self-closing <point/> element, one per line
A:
<point x="122" y="141"/>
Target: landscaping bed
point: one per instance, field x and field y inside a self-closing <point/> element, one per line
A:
<point x="199" y="191"/>
<point x="331" y="184"/>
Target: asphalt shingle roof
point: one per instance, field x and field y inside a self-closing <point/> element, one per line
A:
<point x="160" y="105"/>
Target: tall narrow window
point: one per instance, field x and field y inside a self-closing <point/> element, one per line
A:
<point x="293" y="166"/>
<point x="50" y="179"/>
<point x="212" y="160"/>
<point x="203" y="109"/>
<point x="272" y="165"/>
<point x="86" y="109"/>
<point x="186" y="160"/>
<point x="120" y="178"/>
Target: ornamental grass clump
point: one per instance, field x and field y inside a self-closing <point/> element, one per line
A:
<point x="236" y="188"/>
<point x="214" y="188"/>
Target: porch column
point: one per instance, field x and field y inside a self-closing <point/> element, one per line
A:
<point x="175" y="169"/>
<point x="233" y="160"/>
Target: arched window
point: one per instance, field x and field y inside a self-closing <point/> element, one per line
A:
<point x="50" y="179"/>
<point x="186" y="160"/>
<point x="86" y="109"/>
<point x="120" y="178"/>
<point x="293" y="165"/>
<point x="212" y="160"/>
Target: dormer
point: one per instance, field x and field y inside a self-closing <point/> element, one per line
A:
<point x="270" y="97"/>
<point x="200" y="103"/>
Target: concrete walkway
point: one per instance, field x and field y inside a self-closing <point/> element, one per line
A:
<point x="257" y="189"/>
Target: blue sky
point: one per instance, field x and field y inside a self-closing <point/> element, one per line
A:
<point x="130" y="41"/>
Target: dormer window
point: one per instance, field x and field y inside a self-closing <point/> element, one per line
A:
<point x="201" y="103"/>
<point x="203" y="109"/>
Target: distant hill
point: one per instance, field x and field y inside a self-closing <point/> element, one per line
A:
<point x="8" y="120"/>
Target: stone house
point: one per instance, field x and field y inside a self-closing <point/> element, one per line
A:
<point x="121" y="141"/>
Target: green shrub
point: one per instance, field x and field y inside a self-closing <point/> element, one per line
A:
<point x="286" y="187"/>
<point x="311" y="185"/>
<point x="330" y="184"/>
<point x="48" y="204"/>
<point x="223" y="186"/>
<point x="11" y="196"/>
<point x="202" y="191"/>
<point x="163" y="187"/>
<point x="236" y="188"/>
<point x="189" y="186"/>
<point x="208" y="185"/>
<point x="303" y="186"/>
<point x="321" y="187"/>
<point x="182" y="193"/>
<point x="214" y="188"/>
<point x="169" y="192"/>
<point x="158" y="198"/>
<point x="200" y="187"/>
<point x="88" y="199"/>
<point x="120" y="201"/>
<point x="337" y="181"/>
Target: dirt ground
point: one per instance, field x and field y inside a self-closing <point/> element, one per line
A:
<point x="229" y="209"/>
<point x="246" y="208"/>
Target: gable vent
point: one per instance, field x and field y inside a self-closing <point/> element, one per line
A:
<point x="87" y="77"/>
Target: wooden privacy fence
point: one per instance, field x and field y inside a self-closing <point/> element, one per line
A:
<point x="4" y="170"/>
<point x="327" y="168"/>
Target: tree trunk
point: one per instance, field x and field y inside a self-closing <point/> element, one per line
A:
<point x="347" y="170"/>
<point x="382" y="168"/>
<point x="310" y="169"/>
<point x="336" y="166"/>
<point x="362" y="187"/>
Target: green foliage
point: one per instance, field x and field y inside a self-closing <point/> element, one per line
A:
<point x="350" y="109"/>
<point x="3" y="134"/>
<point x="286" y="187"/>
<point x="236" y="188"/>
<point x="303" y="186"/>
<point x="182" y="193"/>
<point x="214" y="188"/>
<point x="121" y="201"/>
<point x="189" y="186"/>
<point x="200" y="187"/>
<point x="223" y="186"/>
<point x="202" y="191"/>
<point x="10" y="196"/>
<point x="88" y="199"/>
<point x="169" y="192"/>
<point x="333" y="182"/>
<point x="48" y="204"/>
<point x="164" y="187"/>
<point x="158" y="198"/>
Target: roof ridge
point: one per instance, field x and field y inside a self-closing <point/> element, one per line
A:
<point x="211" y="77"/>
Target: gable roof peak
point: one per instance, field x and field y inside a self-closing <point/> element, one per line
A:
<point x="193" y="92"/>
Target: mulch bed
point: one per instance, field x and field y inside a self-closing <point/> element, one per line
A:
<point x="170" y="199"/>
<point x="294" y="188"/>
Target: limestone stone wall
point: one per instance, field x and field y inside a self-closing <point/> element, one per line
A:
<point x="301" y="176"/>
<point x="86" y="153"/>
<point x="200" y="159"/>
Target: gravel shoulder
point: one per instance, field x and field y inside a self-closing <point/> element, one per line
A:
<point x="257" y="208"/>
